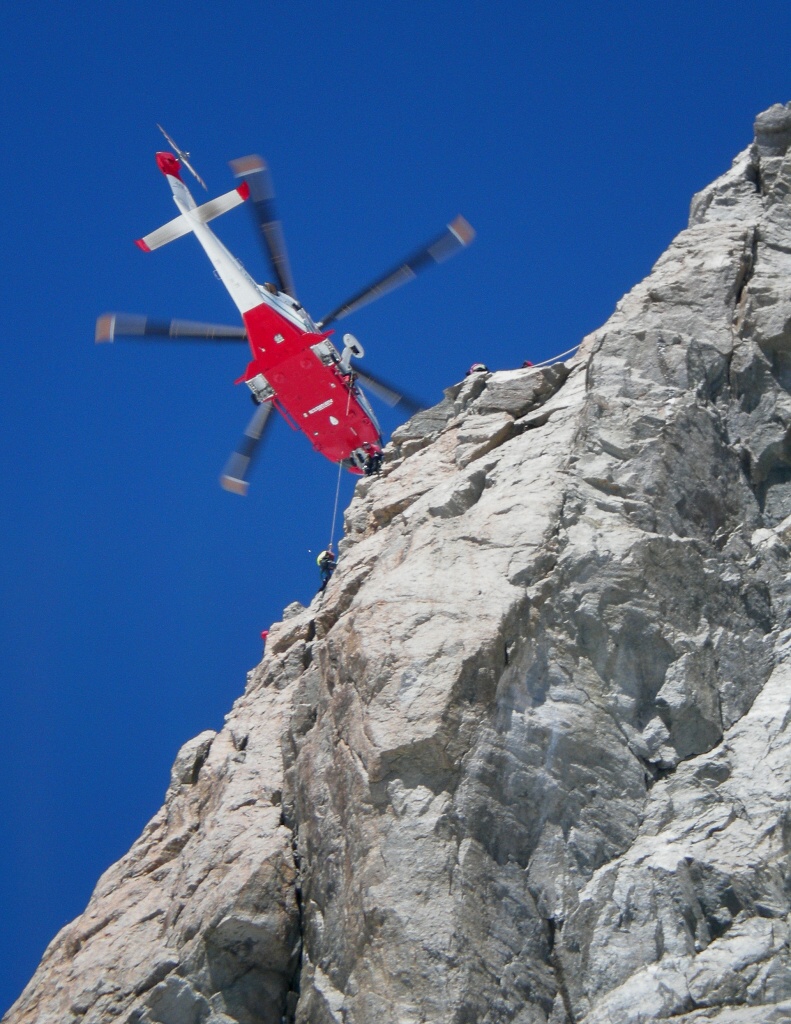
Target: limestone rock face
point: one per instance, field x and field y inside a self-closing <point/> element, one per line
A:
<point x="529" y="758"/>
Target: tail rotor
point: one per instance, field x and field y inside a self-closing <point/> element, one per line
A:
<point x="183" y="157"/>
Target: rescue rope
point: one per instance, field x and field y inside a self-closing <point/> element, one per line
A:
<point x="554" y="359"/>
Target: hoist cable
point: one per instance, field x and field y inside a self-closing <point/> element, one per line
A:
<point x="335" y="509"/>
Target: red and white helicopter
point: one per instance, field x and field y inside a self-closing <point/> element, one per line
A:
<point x="294" y="367"/>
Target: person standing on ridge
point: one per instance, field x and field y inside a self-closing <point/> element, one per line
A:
<point x="326" y="563"/>
<point x="373" y="461"/>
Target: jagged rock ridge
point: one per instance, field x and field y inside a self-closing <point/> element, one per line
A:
<point x="529" y="760"/>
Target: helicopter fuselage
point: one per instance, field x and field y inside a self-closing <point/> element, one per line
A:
<point x="294" y="365"/>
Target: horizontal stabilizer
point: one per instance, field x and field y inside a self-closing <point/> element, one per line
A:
<point x="182" y="224"/>
<point x="110" y="326"/>
<point x="167" y="233"/>
<point x="222" y="204"/>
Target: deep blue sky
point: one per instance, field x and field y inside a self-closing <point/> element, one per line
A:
<point x="571" y="135"/>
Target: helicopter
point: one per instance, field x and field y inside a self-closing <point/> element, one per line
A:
<point x="295" y="367"/>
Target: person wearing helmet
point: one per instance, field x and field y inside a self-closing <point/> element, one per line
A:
<point x="326" y="563"/>
<point x="373" y="460"/>
<point x="477" y="368"/>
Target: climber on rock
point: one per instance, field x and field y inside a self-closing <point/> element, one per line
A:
<point x="373" y="461"/>
<point x="326" y="563"/>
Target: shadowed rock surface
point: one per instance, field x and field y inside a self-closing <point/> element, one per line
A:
<point x="529" y="759"/>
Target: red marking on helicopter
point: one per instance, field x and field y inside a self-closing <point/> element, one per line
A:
<point x="169" y="164"/>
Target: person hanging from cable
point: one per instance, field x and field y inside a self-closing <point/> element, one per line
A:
<point x="326" y="563"/>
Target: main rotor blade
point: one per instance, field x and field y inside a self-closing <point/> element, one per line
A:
<point x="455" y="236"/>
<point x="110" y="326"/>
<point x="254" y="171"/>
<point x="234" y="476"/>
<point x="387" y="393"/>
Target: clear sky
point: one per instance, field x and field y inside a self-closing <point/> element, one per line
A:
<point x="571" y="135"/>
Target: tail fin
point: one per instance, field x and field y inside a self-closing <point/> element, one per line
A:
<point x="183" y="224"/>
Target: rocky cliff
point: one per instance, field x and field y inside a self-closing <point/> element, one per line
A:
<point x="529" y="759"/>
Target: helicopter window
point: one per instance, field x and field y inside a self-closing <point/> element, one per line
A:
<point x="326" y="352"/>
<point x="260" y="387"/>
